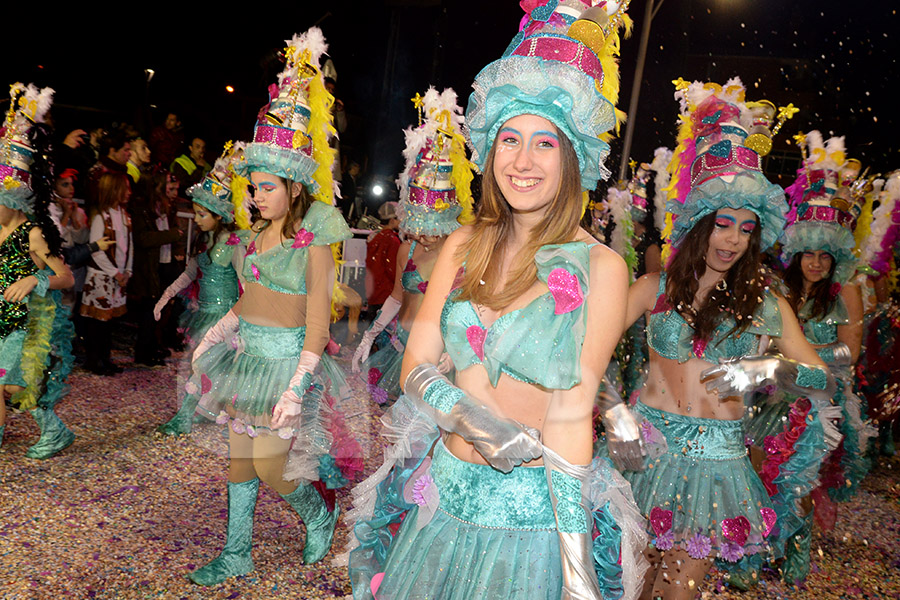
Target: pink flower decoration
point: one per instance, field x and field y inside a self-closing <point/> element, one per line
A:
<point x="423" y="286"/>
<point x="251" y="431"/>
<point x="234" y="399"/>
<point x="205" y="384"/>
<point x="565" y="289"/>
<point x="2" y="372"/>
<point x="732" y="552"/>
<point x="374" y="375"/>
<point x="665" y="541"/>
<point x="660" y="520"/>
<point x="303" y="239"/>
<point x="238" y="426"/>
<point x="255" y="271"/>
<point x="251" y="248"/>
<point x="410" y="266"/>
<point x="222" y="418"/>
<point x="835" y="289"/>
<point x="769" y="518"/>
<point x="698" y="547"/>
<point x="736" y="529"/>
<point x="476" y="335"/>
<point x="378" y="395"/>
<point x="191" y="388"/>
<point x="285" y="433"/>
<point x="233" y="240"/>
<point x="376" y="583"/>
<point x="421" y="489"/>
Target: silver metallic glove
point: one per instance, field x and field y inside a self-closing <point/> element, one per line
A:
<point x="623" y="431"/>
<point x="735" y="377"/>
<point x="836" y="354"/>
<point x="569" y="493"/>
<point x="503" y="442"/>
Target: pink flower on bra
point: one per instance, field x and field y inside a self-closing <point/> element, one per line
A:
<point x="255" y="271"/>
<point x="251" y="248"/>
<point x="565" y="289"/>
<point x="303" y="239"/>
<point x="233" y="240"/>
<point x="410" y="266"/>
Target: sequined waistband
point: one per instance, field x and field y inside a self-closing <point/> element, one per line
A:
<point x="271" y="342"/>
<point x="697" y="437"/>
<point x="483" y="496"/>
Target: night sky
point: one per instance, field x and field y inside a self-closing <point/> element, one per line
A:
<point x="831" y="62"/>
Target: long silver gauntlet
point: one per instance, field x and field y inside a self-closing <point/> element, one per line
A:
<point x="569" y="492"/>
<point x="503" y="442"/>
<point x="736" y="377"/>
<point x="623" y="432"/>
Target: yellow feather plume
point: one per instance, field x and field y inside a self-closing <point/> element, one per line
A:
<point x="864" y="224"/>
<point x="239" y="186"/>
<point x="320" y="128"/>
<point x="461" y="178"/>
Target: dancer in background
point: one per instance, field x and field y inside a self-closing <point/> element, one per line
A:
<point x="529" y="307"/>
<point x="35" y="332"/>
<point x="707" y="314"/>
<point x="262" y="369"/>
<point x="434" y="200"/>
<point x="219" y="211"/>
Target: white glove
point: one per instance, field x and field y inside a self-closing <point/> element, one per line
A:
<point x="179" y="284"/>
<point x="224" y="329"/>
<point x="289" y="405"/>
<point x="389" y="310"/>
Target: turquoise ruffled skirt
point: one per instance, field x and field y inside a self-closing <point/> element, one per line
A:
<point x="195" y="323"/>
<point x="850" y="463"/>
<point x="440" y="527"/>
<point x="702" y="494"/>
<point x="383" y="368"/>
<point x="11" y="348"/>
<point x="239" y="382"/>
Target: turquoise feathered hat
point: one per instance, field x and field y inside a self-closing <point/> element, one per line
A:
<point x="560" y="66"/>
<point x="435" y="196"/>
<point x="28" y="105"/>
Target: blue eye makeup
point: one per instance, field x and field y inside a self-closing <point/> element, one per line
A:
<point x="748" y="226"/>
<point x="725" y="221"/>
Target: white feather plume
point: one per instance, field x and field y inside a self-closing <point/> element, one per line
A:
<point x="881" y="218"/>
<point x="661" y="158"/>
<point x="617" y="203"/>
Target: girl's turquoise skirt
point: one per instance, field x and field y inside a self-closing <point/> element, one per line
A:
<point x="702" y="494"/>
<point x="383" y="368"/>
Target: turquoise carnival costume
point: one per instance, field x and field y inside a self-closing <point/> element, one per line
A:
<point x="427" y="524"/>
<point x="36" y="334"/>
<point x="215" y="270"/>
<point x="699" y="490"/>
<point x="248" y="369"/>
<point x="812" y="452"/>
<point x="434" y="199"/>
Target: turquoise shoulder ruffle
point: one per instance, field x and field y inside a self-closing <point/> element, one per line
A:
<point x="326" y="224"/>
<point x="543" y="341"/>
<point x="767" y="318"/>
<point x="222" y="252"/>
<point x="832" y="238"/>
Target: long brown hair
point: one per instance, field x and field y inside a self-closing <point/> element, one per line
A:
<point x="744" y="282"/>
<point x="820" y="292"/>
<point x="483" y="251"/>
<point x="111" y="189"/>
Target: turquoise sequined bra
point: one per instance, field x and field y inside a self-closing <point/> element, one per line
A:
<point x="282" y="268"/>
<point x="539" y="343"/>
<point x="219" y="281"/>
<point x="823" y="330"/>
<point x="411" y="281"/>
<point x="671" y="337"/>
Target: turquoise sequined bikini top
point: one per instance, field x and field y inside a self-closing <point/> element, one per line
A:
<point x="823" y="330"/>
<point x="411" y="281"/>
<point x="671" y="337"/>
<point x="539" y="343"/>
<point x="282" y="268"/>
<point x="219" y="281"/>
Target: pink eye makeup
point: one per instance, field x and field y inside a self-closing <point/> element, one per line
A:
<point x="748" y="227"/>
<point x="725" y="221"/>
<point x="545" y="139"/>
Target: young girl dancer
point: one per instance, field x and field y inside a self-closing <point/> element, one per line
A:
<point x="218" y="210"/>
<point x="32" y="319"/>
<point x="434" y="200"/>
<point x="529" y="307"/>
<point x="262" y="368"/>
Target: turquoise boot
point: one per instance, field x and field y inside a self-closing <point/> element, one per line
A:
<point x="55" y="436"/>
<point x="235" y="558"/>
<point x="319" y="522"/>
<point x="2" y="429"/>
<point x="795" y="568"/>
<point x="180" y="424"/>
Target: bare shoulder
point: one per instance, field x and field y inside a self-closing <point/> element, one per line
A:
<point x="36" y="238"/>
<point x="458" y="237"/>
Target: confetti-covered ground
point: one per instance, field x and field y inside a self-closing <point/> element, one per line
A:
<point x="123" y="513"/>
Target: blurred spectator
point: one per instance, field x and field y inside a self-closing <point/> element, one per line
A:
<point x="347" y="201"/>
<point x="381" y="256"/>
<point x="79" y="151"/>
<point x="189" y="168"/>
<point x="340" y="124"/>
<point x="139" y="160"/>
<point x="115" y="150"/>
<point x="103" y="298"/>
<point x="153" y="238"/>
<point x="166" y="140"/>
